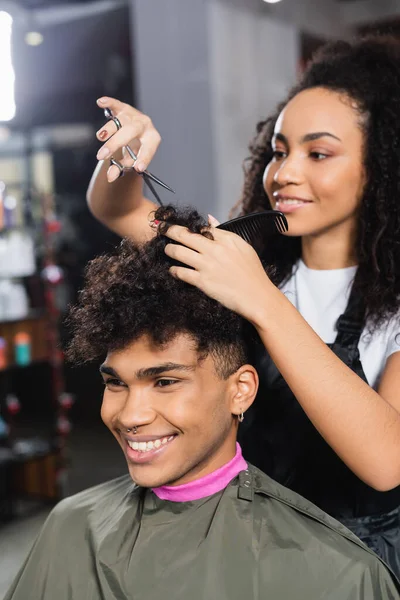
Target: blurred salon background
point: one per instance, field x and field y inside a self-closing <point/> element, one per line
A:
<point x="206" y="71"/>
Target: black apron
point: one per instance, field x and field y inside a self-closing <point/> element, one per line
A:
<point x="278" y="438"/>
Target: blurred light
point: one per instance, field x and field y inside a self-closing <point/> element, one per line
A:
<point x="272" y="1"/>
<point x="10" y="203"/>
<point x="4" y="134"/>
<point x="33" y="38"/>
<point x="7" y="75"/>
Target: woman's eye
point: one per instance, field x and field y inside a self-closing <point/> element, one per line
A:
<point x="318" y="155"/>
<point x="165" y="382"/>
<point x="279" y="154"/>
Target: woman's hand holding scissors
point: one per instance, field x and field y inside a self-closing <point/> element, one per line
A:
<point x="136" y="130"/>
<point x="126" y="125"/>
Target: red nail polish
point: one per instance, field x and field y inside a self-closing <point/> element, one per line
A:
<point x="103" y="134"/>
<point x="156" y="222"/>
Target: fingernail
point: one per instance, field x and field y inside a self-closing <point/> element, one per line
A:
<point x="155" y="223"/>
<point x="102" y="134"/>
<point x="103" y="153"/>
<point x="102" y="100"/>
<point x="212" y="220"/>
<point x="111" y="175"/>
<point x="140" y="166"/>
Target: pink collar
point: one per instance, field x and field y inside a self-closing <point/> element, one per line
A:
<point x="205" y="486"/>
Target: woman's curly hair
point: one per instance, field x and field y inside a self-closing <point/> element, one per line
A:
<point x="131" y="293"/>
<point x="368" y="72"/>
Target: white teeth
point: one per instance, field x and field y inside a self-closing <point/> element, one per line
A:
<point x="147" y="446"/>
<point x="289" y="201"/>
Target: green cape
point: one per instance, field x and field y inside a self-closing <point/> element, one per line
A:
<point x="254" y="540"/>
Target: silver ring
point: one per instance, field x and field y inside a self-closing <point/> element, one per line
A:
<point x="117" y="123"/>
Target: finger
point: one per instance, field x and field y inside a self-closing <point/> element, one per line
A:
<point x="154" y="223"/>
<point x="116" y="107"/>
<point x="184" y="255"/>
<point x="112" y="174"/>
<point x="212" y="221"/>
<point x="195" y="241"/>
<point x="188" y="275"/>
<point x="107" y="131"/>
<point x="126" y="161"/>
<point x="150" y="141"/>
<point x="120" y="139"/>
<point x="112" y="103"/>
<point x="226" y="237"/>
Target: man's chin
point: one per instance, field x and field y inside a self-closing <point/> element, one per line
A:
<point x="148" y="477"/>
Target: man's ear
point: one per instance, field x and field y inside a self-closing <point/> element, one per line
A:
<point x="244" y="389"/>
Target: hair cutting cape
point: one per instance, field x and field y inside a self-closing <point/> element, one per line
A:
<point x="254" y="540"/>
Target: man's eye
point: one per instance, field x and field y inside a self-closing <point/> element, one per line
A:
<point x="113" y="383"/>
<point x="165" y="382"/>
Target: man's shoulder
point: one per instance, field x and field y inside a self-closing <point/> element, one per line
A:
<point x="109" y="494"/>
<point x="298" y="521"/>
<point x="267" y="487"/>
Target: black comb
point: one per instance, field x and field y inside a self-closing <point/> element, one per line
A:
<point x="256" y="227"/>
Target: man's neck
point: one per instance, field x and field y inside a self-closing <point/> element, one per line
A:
<point x="205" y="486"/>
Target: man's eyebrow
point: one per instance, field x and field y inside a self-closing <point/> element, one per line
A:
<point x="308" y="137"/>
<point x="150" y="371"/>
<point x="163" y="368"/>
<point x="108" y="371"/>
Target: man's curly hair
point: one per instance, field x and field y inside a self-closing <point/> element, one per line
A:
<point x="368" y="72"/>
<point x="131" y="293"/>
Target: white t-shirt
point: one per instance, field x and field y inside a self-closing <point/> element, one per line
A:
<point x="321" y="297"/>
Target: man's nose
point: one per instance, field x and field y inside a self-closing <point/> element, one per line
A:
<point x="137" y="410"/>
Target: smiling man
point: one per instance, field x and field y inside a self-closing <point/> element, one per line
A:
<point x="192" y="520"/>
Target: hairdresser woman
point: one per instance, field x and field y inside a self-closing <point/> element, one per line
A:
<point x="327" y="423"/>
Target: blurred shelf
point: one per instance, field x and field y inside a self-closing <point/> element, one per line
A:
<point x="33" y="363"/>
<point x="27" y="228"/>
<point x="36" y="326"/>
<point x="32" y="315"/>
<point x="14" y="277"/>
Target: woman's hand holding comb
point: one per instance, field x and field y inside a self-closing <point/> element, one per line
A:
<point x="226" y="268"/>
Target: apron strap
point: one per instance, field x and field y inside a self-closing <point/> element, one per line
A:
<point x="351" y="323"/>
<point x="350" y="326"/>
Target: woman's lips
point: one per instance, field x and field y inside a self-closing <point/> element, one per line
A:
<point x="289" y="205"/>
<point x="143" y="452"/>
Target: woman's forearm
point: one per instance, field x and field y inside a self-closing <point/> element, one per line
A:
<point x="120" y="205"/>
<point x="362" y="428"/>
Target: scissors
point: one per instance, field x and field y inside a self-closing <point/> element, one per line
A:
<point x="147" y="176"/>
